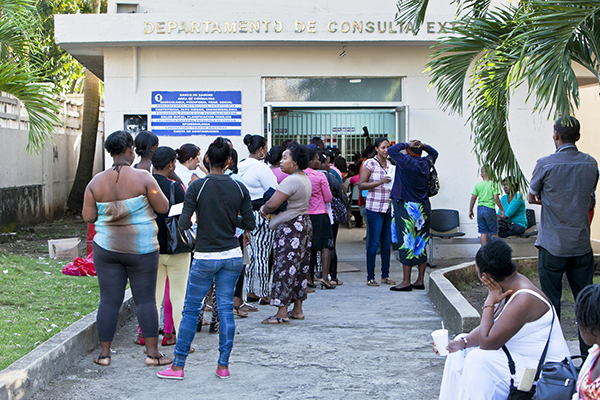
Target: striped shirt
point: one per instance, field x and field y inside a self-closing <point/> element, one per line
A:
<point x="378" y="199"/>
<point x="127" y="226"/>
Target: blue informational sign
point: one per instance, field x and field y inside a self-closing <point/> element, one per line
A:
<point x="197" y="113"/>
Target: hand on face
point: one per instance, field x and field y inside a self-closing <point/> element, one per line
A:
<point x="495" y="294"/>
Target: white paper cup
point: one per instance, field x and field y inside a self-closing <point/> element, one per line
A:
<point x="440" y="339"/>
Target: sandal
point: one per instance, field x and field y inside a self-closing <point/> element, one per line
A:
<point x="388" y="281"/>
<point x="292" y="317"/>
<point x="239" y="313"/>
<point x="169" y="341"/>
<point x="372" y="282"/>
<point x="156" y="361"/>
<point x="139" y="340"/>
<point x="336" y="282"/>
<point x="247" y="308"/>
<point x="273" y="320"/>
<point x="98" y="360"/>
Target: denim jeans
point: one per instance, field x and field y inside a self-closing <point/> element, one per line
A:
<point x="225" y="274"/>
<point x="380" y="234"/>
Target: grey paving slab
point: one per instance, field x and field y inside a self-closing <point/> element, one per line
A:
<point x="356" y="342"/>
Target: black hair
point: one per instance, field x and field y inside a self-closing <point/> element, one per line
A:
<point x="369" y="151"/>
<point x="234" y="160"/>
<point x="512" y="183"/>
<point x="380" y="140"/>
<point x="317" y="141"/>
<point x="568" y="129"/>
<point x="587" y="308"/>
<point x="162" y="156"/>
<point x="254" y="142"/>
<point x="144" y="141"/>
<point x="341" y="164"/>
<point x="218" y="152"/>
<point x="187" y="151"/>
<point x="329" y="153"/>
<point x="118" y="142"/>
<point x="311" y="153"/>
<point x="322" y="155"/>
<point x="299" y="153"/>
<point x="286" y="143"/>
<point x="495" y="258"/>
<point x="353" y="169"/>
<point x="274" y="155"/>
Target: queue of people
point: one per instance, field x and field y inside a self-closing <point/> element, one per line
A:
<point x="282" y="215"/>
<point x="275" y="214"/>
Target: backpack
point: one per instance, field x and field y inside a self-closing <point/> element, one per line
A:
<point x="433" y="184"/>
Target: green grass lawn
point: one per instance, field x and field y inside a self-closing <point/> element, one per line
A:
<point x="37" y="301"/>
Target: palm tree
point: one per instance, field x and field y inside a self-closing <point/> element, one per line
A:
<point x="16" y="76"/>
<point x="496" y="50"/>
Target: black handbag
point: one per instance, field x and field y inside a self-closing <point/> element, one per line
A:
<point x="433" y="184"/>
<point x="178" y="240"/>
<point x="504" y="224"/>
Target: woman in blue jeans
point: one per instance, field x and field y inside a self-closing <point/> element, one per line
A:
<point x="374" y="176"/>
<point x="221" y="204"/>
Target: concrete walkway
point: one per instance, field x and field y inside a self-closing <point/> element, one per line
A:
<point x="356" y="342"/>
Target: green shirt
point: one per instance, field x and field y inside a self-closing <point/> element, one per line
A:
<point x="485" y="191"/>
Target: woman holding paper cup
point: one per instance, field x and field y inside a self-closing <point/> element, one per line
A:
<point x="516" y="314"/>
<point x="375" y="176"/>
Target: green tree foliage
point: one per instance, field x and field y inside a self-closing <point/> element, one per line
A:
<point x="54" y="63"/>
<point x="18" y="78"/>
<point x="492" y="51"/>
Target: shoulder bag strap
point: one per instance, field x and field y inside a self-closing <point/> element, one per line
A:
<point x="511" y="363"/>
<point x="172" y="194"/>
<point x="224" y="208"/>
<point x="543" y="358"/>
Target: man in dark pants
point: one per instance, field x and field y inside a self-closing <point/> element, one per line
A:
<point x="563" y="184"/>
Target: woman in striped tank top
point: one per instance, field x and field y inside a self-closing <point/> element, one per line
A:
<point x="121" y="202"/>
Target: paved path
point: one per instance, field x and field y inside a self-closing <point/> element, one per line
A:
<point x="356" y="342"/>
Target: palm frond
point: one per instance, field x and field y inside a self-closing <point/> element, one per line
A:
<point x="412" y="11"/>
<point x="559" y="33"/>
<point x="37" y="99"/>
<point x="485" y="46"/>
<point x="473" y="8"/>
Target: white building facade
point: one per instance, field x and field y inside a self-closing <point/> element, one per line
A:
<point x="192" y="70"/>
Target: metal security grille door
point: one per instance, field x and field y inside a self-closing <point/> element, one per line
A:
<point x="336" y="109"/>
<point x="343" y="129"/>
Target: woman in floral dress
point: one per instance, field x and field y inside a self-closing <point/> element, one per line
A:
<point x="410" y="198"/>
<point x="293" y="232"/>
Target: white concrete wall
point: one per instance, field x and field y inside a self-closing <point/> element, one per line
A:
<point x="242" y="68"/>
<point x="54" y="168"/>
<point x="589" y="117"/>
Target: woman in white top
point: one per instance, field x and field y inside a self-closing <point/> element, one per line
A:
<point x="258" y="178"/>
<point x="516" y="314"/>
<point x="189" y="159"/>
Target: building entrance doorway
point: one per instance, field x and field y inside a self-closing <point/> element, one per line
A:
<point x="347" y="129"/>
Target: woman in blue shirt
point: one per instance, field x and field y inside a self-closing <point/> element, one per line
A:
<point x="514" y="209"/>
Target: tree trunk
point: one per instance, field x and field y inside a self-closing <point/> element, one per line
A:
<point x="89" y="130"/>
